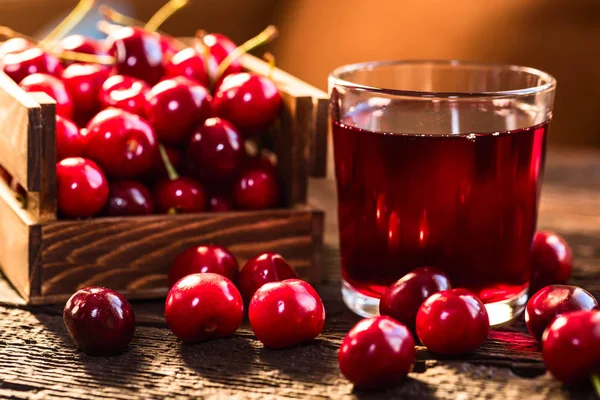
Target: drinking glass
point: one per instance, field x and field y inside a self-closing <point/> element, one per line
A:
<point x="439" y="163"/>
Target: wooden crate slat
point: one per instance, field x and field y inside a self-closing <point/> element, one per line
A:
<point x="319" y="139"/>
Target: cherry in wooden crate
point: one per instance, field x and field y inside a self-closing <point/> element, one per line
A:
<point x="47" y="259"/>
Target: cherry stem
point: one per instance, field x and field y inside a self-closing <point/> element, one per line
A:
<point x="70" y="21"/>
<point x="166" y="11"/>
<point x="264" y="37"/>
<point x="270" y="58"/>
<point x="203" y="49"/>
<point x="83" y="57"/>
<point x="596" y="383"/>
<point x="171" y="172"/>
<point x="107" y="28"/>
<point x="8" y="33"/>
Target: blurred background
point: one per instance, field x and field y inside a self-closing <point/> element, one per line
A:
<point x="561" y="37"/>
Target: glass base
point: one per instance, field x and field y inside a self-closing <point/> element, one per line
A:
<point x="500" y="312"/>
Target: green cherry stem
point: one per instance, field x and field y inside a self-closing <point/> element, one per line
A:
<point x="171" y="172"/>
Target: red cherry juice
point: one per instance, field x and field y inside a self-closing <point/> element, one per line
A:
<point x="464" y="203"/>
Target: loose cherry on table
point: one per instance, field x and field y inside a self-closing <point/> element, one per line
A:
<point x="192" y="65"/>
<point x="30" y="61"/>
<point x="262" y="269"/>
<point x="138" y="53"/>
<point x="402" y="299"/>
<point x="203" y="306"/>
<point x="122" y="143"/>
<point x="82" y="188"/>
<point x="377" y="352"/>
<point x="175" y="106"/>
<point x="124" y="92"/>
<point x="83" y="82"/>
<point x="215" y="152"/>
<point x="552" y="301"/>
<point x="256" y="189"/>
<point x="14" y="45"/>
<point x="287" y="313"/>
<point x="452" y="322"/>
<point x="552" y="261"/>
<point x="220" y="46"/>
<point x="69" y="140"/>
<point x="54" y="88"/>
<point x="204" y="258"/>
<point x="571" y="346"/>
<point x="100" y="321"/>
<point x="219" y="203"/>
<point x="82" y="44"/>
<point x="128" y="198"/>
<point x="250" y="102"/>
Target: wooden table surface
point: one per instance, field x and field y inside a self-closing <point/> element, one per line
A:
<point x="38" y="360"/>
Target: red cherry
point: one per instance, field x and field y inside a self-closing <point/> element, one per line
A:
<point x="30" y="61"/>
<point x="220" y="46"/>
<point x="124" y="92"/>
<point x="181" y="195"/>
<point x="69" y="141"/>
<point x="402" y="299"/>
<point x="138" y="53"/>
<point x="571" y="346"/>
<point x="552" y="261"/>
<point x="82" y="44"/>
<point x="158" y="170"/>
<point x="54" y="88"/>
<point x="190" y="64"/>
<point x="287" y="313"/>
<point x="452" y="322"/>
<point x="175" y="106"/>
<point x="99" y="320"/>
<point x="215" y="152"/>
<point x="169" y="46"/>
<point x="82" y="187"/>
<point x="552" y="301"/>
<point x="256" y="190"/>
<point x="261" y="269"/>
<point x="123" y="144"/>
<point x="83" y="81"/>
<point x="204" y="258"/>
<point x="14" y="45"/>
<point x="377" y="352"/>
<point x="261" y="162"/>
<point x="204" y="306"/>
<point x="219" y="203"/>
<point x="250" y="102"/>
<point x="128" y="198"/>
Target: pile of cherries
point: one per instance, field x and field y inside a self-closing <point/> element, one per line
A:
<point x="204" y="303"/>
<point x="157" y="128"/>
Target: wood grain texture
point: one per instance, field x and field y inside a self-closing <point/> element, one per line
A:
<point x="134" y="253"/>
<point x="319" y="140"/>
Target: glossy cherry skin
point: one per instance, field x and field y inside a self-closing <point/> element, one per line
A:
<point x="402" y="299"/>
<point x="182" y="195"/>
<point x="262" y="269"/>
<point x="122" y="143"/>
<point x="219" y="203"/>
<point x="552" y="261"/>
<point x="204" y="306"/>
<point x="261" y="162"/>
<point x="82" y="188"/>
<point x="82" y="44"/>
<point x="69" y="140"/>
<point x="100" y="321"/>
<point x="452" y="322"/>
<point x="54" y="88"/>
<point x="204" y="258"/>
<point x="30" y="61"/>
<point x="376" y="353"/>
<point x="14" y="45"/>
<point x="138" y="53"/>
<point x="215" y="152"/>
<point x="158" y="170"/>
<point x="83" y="81"/>
<point x="552" y="301"/>
<point x="175" y="106"/>
<point x="571" y="346"/>
<point x="169" y="46"/>
<point x="287" y="313"/>
<point x="256" y="189"/>
<point x="250" y="102"/>
<point x="192" y="65"/>
<point x="124" y="92"/>
<point x="128" y="198"/>
<point x="220" y="46"/>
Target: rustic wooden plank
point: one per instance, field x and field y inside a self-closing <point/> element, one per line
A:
<point x="134" y="253"/>
<point x="319" y="140"/>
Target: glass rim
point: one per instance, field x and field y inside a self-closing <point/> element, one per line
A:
<point x="335" y="78"/>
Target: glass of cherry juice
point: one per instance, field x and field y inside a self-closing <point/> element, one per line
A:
<point x="439" y="163"/>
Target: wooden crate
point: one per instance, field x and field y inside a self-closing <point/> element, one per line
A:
<point x="47" y="259"/>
